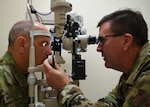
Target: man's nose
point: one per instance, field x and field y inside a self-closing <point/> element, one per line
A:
<point x="49" y="51"/>
<point x="99" y="48"/>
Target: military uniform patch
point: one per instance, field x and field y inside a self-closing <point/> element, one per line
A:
<point x="142" y="99"/>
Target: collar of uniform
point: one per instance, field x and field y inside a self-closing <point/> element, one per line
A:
<point x="21" y="79"/>
<point x="141" y="60"/>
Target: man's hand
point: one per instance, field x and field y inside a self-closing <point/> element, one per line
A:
<point x="56" y="77"/>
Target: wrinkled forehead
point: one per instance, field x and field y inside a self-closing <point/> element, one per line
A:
<point x="41" y="33"/>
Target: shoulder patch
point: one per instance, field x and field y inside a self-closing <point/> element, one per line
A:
<point x="142" y="99"/>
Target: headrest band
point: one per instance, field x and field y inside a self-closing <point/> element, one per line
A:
<point x="41" y="32"/>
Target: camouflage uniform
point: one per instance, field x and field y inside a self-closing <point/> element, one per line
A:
<point x="13" y="84"/>
<point x="133" y="89"/>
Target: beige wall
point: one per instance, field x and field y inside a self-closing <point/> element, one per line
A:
<point x="99" y="80"/>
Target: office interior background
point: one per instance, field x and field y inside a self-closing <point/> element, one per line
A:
<point x="99" y="80"/>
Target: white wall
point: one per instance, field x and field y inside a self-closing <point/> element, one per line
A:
<point x="99" y="80"/>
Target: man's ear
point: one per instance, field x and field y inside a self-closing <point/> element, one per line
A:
<point x="21" y="44"/>
<point x="128" y="40"/>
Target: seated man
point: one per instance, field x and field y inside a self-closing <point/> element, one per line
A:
<point x="123" y="42"/>
<point x="15" y="62"/>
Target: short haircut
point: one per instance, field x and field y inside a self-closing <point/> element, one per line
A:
<point x="128" y="21"/>
<point x="19" y="28"/>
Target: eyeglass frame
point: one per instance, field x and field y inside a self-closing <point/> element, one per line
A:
<point x="102" y="38"/>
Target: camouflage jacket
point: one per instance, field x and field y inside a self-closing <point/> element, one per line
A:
<point x="133" y="90"/>
<point x="13" y="84"/>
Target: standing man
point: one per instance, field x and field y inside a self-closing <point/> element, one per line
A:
<point x="123" y="43"/>
<point x="15" y="62"/>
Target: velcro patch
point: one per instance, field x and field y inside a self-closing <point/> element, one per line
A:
<point x="142" y="99"/>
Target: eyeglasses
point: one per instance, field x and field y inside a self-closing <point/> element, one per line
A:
<point x="101" y="39"/>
